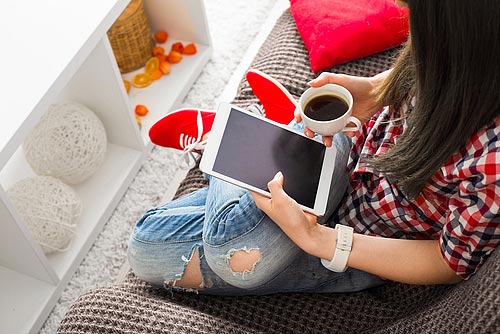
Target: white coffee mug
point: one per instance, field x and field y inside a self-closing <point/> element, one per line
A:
<point x="328" y="127"/>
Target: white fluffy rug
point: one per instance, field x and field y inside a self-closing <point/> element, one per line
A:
<point x="233" y="26"/>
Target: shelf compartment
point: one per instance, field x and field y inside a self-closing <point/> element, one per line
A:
<point x="25" y="301"/>
<point x="99" y="195"/>
<point x="166" y="94"/>
<point x="18" y="251"/>
<point x="184" y="21"/>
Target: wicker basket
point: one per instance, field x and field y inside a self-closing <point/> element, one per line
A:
<point x="131" y="38"/>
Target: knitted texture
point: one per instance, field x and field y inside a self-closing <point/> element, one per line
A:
<point x="50" y="209"/>
<point x="68" y="143"/>
<point x="137" y="307"/>
<point x="193" y="180"/>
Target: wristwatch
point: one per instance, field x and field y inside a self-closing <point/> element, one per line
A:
<point x="342" y="249"/>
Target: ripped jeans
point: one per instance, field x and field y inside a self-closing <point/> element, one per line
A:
<point x="222" y="219"/>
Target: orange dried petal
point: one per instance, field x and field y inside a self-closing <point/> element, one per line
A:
<point x="158" y="50"/>
<point x="141" y="110"/>
<point x="126" y="83"/>
<point x="161" y="36"/>
<point x="189" y="49"/>
<point x="156" y="74"/>
<point x="142" y="80"/>
<point x="152" y="64"/>
<point x="177" y="47"/>
<point x="165" y="67"/>
<point x="174" y="57"/>
<point x="161" y="57"/>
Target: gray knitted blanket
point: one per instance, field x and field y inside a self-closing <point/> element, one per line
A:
<point x="137" y="307"/>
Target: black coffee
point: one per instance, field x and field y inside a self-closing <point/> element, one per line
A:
<point x="325" y="108"/>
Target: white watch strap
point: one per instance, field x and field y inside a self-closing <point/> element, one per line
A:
<point x="342" y="249"/>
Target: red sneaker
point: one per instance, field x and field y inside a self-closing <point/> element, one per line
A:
<point x="183" y="129"/>
<point x="277" y="102"/>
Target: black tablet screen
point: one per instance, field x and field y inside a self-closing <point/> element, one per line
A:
<point x="253" y="151"/>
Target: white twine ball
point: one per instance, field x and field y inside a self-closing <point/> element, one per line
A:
<point x="68" y="143"/>
<point x="50" y="208"/>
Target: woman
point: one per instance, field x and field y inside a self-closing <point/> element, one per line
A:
<point x="419" y="193"/>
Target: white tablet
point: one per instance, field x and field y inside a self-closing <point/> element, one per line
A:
<point x="248" y="150"/>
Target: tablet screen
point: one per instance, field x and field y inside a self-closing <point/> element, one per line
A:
<point x="253" y="151"/>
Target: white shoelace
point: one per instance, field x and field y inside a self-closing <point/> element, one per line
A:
<point x="189" y="143"/>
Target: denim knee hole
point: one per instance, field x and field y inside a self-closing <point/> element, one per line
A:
<point x="171" y="286"/>
<point x="247" y="259"/>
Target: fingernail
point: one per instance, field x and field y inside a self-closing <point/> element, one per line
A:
<point x="278" y="175"/>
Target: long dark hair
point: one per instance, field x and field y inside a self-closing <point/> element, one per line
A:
<point x="451" y="66"/>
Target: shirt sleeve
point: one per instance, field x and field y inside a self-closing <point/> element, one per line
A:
<point x="472" y="228"/>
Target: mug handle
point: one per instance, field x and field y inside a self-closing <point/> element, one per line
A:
<point x="353" y="128"/>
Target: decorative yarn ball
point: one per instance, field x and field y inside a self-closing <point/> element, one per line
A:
<point x="50" y="208"/>
<point x="68" y="143"/>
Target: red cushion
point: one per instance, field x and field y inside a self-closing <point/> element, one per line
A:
<point x="337" y="31"/>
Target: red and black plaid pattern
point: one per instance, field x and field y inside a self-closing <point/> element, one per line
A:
<point x="459" y="205"/>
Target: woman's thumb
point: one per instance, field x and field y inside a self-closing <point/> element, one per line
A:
<point x="321" y="80"/>
<point x="276" y="184"/>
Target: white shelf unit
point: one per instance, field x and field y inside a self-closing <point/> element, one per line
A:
<point x="75" y="61"/>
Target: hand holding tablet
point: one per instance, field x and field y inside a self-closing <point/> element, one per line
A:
<point x="248" y="150"/>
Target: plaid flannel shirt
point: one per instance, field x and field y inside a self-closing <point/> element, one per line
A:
<point x="459" y="205"/>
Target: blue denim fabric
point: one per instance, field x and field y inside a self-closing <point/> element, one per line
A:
<point x="221" y="219"/>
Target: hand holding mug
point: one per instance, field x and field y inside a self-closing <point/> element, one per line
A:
<point x="362" y="90"/>
<point x="327" y="110"/>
